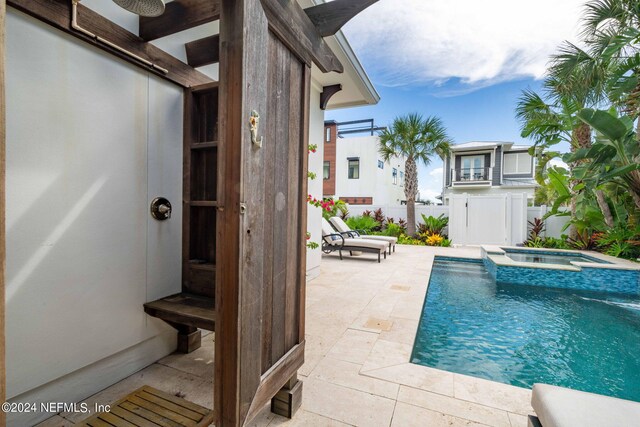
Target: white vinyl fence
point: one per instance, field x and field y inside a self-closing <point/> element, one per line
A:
<point x="499" y="219"/>
<point x="474" y="220"/>
<point x="553" y="225"/>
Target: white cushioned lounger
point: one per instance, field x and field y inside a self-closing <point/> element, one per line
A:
<point x="342" y="227"/>
<point x="563" y="407"/>
<point x="332" y="241"/>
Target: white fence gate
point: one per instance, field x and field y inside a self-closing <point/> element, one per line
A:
<point x="491" y="220"/>
<point x="475" y="220"/>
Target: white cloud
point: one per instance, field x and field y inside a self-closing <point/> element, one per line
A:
<point x="437" y="172"/>
<point x="428" y="194"/>
<point x="558" y="162"/>
<point x="477" y="42"/>
<point x="432" y="185"/>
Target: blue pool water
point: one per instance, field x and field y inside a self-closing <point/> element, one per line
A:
<point x="520" y="335"/>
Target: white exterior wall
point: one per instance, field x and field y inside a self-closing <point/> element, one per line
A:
<point x="314" y="215"/>
<point x="91" y="140"/>
<point x="374" y="182"/>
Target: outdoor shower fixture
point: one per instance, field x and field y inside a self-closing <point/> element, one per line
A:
<point x="142" y="7"/>
<point x="148" y="6"/>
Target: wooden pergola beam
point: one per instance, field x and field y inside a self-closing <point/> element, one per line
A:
<point x="328" y="18"/>
<point x="289" y="22"/>
<point x="57" y="14"/>
<point x="179" y="15"/>
<point x="204" y="51"/>
<point x="286" y="18"/>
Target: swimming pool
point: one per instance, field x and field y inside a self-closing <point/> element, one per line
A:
<point x="520" y="335"/>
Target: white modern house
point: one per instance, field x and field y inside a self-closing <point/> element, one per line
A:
<point x="354" y="171"/>
<point x="489" y="168"/>
<point x="91" y="140"/>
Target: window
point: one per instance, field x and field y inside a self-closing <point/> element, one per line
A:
<point x="327" y="137"/>
<point x="380" y="164"/>
<point x="354" y="168"/>
<point x="517" y="164"/>
<point x="326" y="170"/>
<point x="401" y="178"/>
<point x="395" y="176"/>
<point x="473" y="168"/>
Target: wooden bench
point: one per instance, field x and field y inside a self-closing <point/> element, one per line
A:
<point x="186" y="312"/>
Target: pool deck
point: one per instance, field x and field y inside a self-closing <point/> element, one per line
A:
<point x="361" y="321"/>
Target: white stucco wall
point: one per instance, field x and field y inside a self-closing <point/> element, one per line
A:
<point x="314" y="215"/>
<point x="91" y="141"/>
<point x="373" y="182"/>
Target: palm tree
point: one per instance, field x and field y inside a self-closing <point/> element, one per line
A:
<point x="611" y="31"/>
<point x="417" y="139"/>
<point x="574" y="82"/>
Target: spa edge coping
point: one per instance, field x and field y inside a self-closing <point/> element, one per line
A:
<point x="498" y="256"/>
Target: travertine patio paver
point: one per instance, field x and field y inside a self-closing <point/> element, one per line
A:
<point x="347" y="374"/>
<point x="456" y="407"/>
<point x="407" y="415"/>
<point x="354" y="346"/>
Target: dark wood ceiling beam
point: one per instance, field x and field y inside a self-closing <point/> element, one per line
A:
<point x="204" y="51"/>
<point x="179" y="15"/>
<point x="294" y="28"/>
<point x="328" y="18"/>
<point x="327" y="93"/>
<point x="57" y="14"/>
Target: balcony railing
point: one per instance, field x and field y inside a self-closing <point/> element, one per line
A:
<point x="471" y="174"/>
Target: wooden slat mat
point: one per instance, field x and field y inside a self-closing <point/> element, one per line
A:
<point x="149" y="407"/>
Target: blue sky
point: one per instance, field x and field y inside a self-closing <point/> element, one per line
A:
<point x="466" y="62"/>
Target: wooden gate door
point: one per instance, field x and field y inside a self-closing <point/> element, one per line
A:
<point x="266" y="50"/>
<point x="264" y="96"/>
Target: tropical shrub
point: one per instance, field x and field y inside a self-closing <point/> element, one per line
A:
<point x="434" y="240"/>
<point x="548" y="243"/>
<point x="401" y="223"/>
<point x="379" y="216"/>
<point x="365" y="223"/>
<point x="433" y="225"/>
<point x="537" y="228"/>
<point x="403" y="239"/>
<point x="392" y="230"/>
<point x="620" y="241"/>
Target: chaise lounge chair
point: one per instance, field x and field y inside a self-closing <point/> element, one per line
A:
<point x="563" y="407"/>
<point x="332" y="241"/>
<point x="342" y="227"/>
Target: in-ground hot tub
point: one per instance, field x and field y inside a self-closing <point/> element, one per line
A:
<point x="562" y="269"/>
<point x="550" y="257"/>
